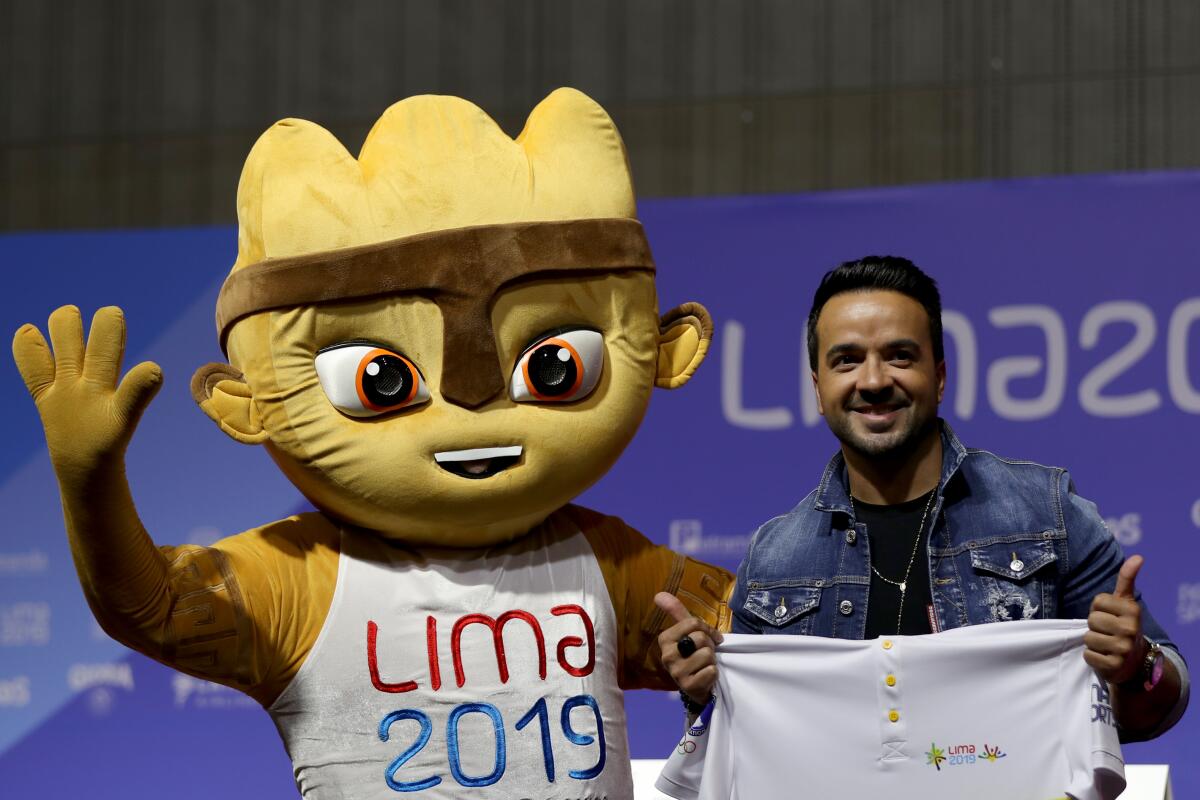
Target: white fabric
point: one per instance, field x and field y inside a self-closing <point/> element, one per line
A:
<point x="332" y="716"/>
<point x="989" y="712"/>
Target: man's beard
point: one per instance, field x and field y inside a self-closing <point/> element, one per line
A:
<point x="890" y="446"/>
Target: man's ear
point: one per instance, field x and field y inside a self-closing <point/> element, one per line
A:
<point x="222" y="394"/>
<point x="684" y="335"/>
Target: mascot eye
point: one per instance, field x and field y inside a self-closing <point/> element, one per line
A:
<point x="364" y="380"/>
<point x="559" y="367"/>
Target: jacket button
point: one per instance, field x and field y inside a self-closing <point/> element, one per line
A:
<point x="846" y="607"/>
<point x="850" y="537"/>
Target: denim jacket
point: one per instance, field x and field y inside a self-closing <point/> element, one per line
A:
<point x="1010" y="540"/>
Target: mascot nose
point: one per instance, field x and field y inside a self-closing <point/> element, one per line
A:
<point x="471" y="373"/>
<point x="468" y="391"/>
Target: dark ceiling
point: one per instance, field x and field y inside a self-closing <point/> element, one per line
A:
<point x="139" y="114"/>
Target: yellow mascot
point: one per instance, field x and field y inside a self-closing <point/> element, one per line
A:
<point x="440" y="343"/>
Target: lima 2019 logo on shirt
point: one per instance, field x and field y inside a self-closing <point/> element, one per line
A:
<point x="962" y="754"/>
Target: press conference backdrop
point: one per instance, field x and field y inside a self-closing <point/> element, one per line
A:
<point x="1073" y="338"/>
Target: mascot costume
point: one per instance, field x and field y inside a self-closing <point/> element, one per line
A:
<point x="440" y="343"/>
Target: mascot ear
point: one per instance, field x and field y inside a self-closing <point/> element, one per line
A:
<point x="222" y="394"/>
<point x="684" y="335"/>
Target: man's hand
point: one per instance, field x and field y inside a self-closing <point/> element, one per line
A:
<point x="1114" y="641"/>
<point x="89" y="417"/>
<point x="695" y="675"/>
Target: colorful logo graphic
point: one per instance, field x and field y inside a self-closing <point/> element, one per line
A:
<point x="992" y="753"/>
<point x="961" y="755"/>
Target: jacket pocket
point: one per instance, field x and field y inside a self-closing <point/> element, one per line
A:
<point x="785" y="607"/>
<point x="1013" y="580"/>
<point x="1014" y="561"/>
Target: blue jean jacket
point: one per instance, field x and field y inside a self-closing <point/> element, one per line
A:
<point x="1011" y="540"/>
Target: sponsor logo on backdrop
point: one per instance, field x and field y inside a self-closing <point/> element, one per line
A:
<point x="24" y="624"/>
<point x="687" y="536"/>
<point x="961" y="755"/>
<point x="14" y="692"/>
<point x="1188" y="609"/>
<point x="994" y="384"/>
<point x="33" y="562"/>
<point x="98" y="682"/>
<point x="81" y="677"/>
<point x="1126" y="529"/>
<point x="1196" y="513"/>
<point x="195" y="693"/>
<point x="100" y="701"/>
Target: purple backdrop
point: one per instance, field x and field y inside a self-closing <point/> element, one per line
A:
<point x="1073" y="338"/>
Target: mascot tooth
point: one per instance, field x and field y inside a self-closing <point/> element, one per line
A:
<point x="441" y="343"/>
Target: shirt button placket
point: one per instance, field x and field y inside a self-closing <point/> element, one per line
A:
<point x="893" y="725"/>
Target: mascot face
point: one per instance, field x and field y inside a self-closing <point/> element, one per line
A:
<point x="409" y="471"/>
<point x="452" y="336"/>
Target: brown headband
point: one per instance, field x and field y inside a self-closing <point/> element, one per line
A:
<point x="460" y="269"/>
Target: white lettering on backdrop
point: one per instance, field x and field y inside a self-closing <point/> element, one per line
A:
<point x="1050" y="367"/>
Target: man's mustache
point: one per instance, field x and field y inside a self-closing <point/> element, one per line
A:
<point x="887" y="405"/>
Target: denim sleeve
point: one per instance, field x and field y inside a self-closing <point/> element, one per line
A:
<point x="743" y="622"/>
<point x="1094" y="558"/>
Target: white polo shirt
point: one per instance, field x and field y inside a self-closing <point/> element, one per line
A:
<point x="1007" y="711"/>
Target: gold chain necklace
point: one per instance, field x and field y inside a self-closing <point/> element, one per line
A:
<point x="903" y="584"/>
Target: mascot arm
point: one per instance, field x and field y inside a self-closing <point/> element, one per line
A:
<point x="635" y="570"/>
<point x="273" y="587"/>
<point x="239" y="613"/>
<point x="244" y="613"/>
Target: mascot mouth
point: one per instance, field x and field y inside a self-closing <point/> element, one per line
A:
<point x="479" y="462"/>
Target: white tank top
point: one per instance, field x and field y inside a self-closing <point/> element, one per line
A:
<point x="989" y="712"/>
<point x="461" y="674"/>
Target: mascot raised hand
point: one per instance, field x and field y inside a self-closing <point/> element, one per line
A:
<point x="440" y="343"/>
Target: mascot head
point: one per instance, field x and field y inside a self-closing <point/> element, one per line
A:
<point x="451" y="336"/>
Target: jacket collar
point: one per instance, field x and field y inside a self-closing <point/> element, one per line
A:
<point x="833" y="495"/>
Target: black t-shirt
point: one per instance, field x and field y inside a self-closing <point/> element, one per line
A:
<point x="891" y="530"/>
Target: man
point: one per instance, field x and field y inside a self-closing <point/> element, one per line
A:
<point x="909" y="532"/>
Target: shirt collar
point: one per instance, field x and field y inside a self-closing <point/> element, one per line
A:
<point x="833" y="495"/>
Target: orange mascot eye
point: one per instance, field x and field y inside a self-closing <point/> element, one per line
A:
<point x="385" y="380"/>
<point x="559" y="368"/>
<point x="365" y="380"/>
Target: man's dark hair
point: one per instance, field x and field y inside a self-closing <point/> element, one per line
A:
<point x="889" y="273"/>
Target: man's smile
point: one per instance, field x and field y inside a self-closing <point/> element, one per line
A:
<point x="478" y="462"/>
<point x="880" y="415"/>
